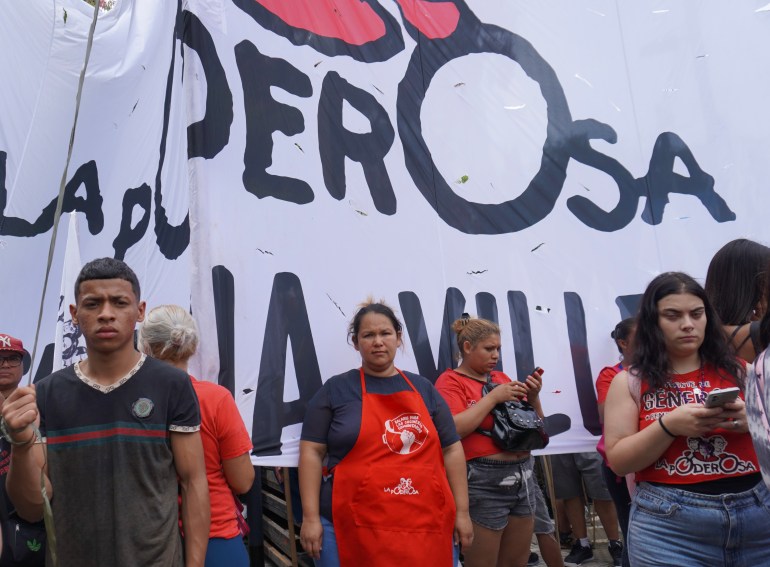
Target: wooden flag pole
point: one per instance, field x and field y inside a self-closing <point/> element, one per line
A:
<point x="290" y="518"/>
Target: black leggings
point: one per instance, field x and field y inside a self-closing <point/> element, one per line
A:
<point x="616" y="485"/>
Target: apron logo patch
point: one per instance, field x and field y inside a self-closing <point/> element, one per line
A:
<point x="142" y="408"/>
<point x="404" y="488"/>
<point x="405" y="434"/>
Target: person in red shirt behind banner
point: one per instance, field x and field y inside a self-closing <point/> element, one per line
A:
<point x="700" y="501"/>
<point x="170" y="334"/>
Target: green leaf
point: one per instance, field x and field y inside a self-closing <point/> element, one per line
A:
<point x="463" y="179"/>
<point x="65" y="16"/>
<point x="34" y="545"/>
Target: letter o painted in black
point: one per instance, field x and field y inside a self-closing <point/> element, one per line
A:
<point x="539" y="198"/>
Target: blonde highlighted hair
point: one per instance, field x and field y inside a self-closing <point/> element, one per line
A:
<point x="169" y="333"/>
<point x="473" y="330"/>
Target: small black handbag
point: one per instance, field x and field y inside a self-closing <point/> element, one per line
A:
<point x="516" y="425"/>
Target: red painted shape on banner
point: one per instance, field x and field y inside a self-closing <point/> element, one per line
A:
<point x="349" y="20"/>
<point x="435" y="20"/>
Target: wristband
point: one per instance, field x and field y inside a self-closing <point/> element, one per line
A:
<point x="5" y="430"/>
<point x="663" y="426"/>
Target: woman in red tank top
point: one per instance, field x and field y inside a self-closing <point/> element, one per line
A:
<point x="700" y="501"/>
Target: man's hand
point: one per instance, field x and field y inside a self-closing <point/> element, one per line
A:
<point x="20" y="413"/>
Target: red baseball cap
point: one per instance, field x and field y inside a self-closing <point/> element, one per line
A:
<point x="12" y="344"/>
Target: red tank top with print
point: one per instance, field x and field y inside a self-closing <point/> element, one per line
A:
<point x="719" y="454"/>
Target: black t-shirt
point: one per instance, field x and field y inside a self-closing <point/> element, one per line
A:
<point x="333" y="416"/>
<point x="111" y="463"/>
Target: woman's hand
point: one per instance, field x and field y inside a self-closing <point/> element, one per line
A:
<point x="311" y="536"/>
<point x="509" y="391"/>
<point x="463" y="530"/>
<point x="534" y="384"/>
<point x="733" y="417"/>
<point x="694" y="420"/>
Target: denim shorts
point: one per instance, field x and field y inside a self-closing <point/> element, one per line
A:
<point x="572" y="471"/>
<point x="498" y="489"/>
<point x="543" y="522"/>
<point x="670" y="526"/>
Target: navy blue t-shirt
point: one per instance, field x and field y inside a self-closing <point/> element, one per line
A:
<point x="333" y="416"/>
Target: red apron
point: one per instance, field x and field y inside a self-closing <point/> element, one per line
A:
<point x="391" y="501"/>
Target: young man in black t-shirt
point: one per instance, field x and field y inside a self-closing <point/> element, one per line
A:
<point x="119" y="429"/>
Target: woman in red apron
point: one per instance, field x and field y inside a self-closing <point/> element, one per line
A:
<point x="394" y="492"/>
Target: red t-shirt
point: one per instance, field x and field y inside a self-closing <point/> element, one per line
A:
<point x="718" y="454"/>
<point x="224" y="437"/>
<point x="460" y="393"/>
<point x="605" y="379"/>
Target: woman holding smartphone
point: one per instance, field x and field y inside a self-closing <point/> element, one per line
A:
<point x="501" y="486"/>
<point x="700" y="501"/>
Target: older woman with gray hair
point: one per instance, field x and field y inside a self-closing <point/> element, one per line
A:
<point x="169" y="333"/>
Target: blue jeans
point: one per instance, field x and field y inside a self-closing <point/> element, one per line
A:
<point x="669" y="526"/>
<point x="329" y="555"/>
<point x="223" y="552"/>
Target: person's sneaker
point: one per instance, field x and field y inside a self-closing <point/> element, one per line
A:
<point x="534" y="559"/>
<point x="578" y="555"/>
<point x="616" y="551"/>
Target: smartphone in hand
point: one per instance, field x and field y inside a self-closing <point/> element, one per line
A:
<point x="718" y="398"/>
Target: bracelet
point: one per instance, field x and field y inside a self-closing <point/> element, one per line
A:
<point x="5" y="430"/>
<point x="663" y="426"/>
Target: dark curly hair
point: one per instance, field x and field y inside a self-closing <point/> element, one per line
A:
<point x="650" y="354"/>
<point x="622" y="331"/>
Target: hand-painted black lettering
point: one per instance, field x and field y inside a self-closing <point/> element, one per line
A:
<point x="128" y="235"/>
<point x="224" y="311"/>
<point x="584" y="380"/>
<point x="454" y="305"/>
<point x="286" y="319"/>
<point x="336" y="143"/>
<point x="486" y="307"/>
<point x="264" y="115"/>
<point x="171" y="240"/>
<point x="207" y="137"/>
<point x="86" y="175"/>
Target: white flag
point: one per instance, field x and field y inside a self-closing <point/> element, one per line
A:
<point x="70" y="346"/>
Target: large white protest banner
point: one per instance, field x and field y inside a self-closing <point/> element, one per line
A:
<point x="273" y="163"/>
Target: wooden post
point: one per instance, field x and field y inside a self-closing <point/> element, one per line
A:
<point x="290" y="518"/>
